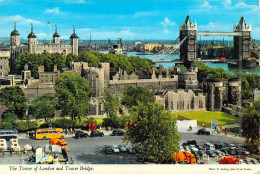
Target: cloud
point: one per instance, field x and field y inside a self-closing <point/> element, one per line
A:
<point x="212" y="26"/>
<point x="21" y="20"/>
<point x="166" y="22"/>
<point x="55" y="10"/>
<point x="42" y="35"/>
<point x="206" y="5"/>
<point x="145" y="13"/>
<point x="78" y="1"/>
<point x="227" y="3"/>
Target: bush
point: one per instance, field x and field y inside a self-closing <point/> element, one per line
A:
<point x="115" y="122"/>
<point x="23" y="126"/>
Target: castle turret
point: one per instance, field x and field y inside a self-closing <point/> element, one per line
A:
<point x="56" y="36"/>
<point x="234" y="91"/>
<point x="32" y="41"/>
<point x="74" y="42"/>
<point x="14" y="42"/>
<point x="214" y="92"/>
<point x="188" y="50"/>
<point x="15" y="37"/>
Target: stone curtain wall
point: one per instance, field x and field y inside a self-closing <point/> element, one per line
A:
<point x="34" y="93"/>
<point x="117" y="87"/>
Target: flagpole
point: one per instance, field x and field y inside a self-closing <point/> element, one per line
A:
<point x="50" y="32"/>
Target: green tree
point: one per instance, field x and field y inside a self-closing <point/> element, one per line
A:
<point x="14" y="99"/>
<point x="8" y="119"/>
<point x="154" y="129"/>
<point x="133" y="95"/>
<point x="43" y="107"/>
<point x="34" y="60"/>
<point x="251" y="125"/>
<point x="111" y="107"/>
<point x="73" y="95"/>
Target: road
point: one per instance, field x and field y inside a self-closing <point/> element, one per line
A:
<point x="90" y="150"/>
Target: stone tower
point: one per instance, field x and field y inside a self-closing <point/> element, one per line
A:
<point x="15" y="37"/>
<point x="32" y="41"/>
<point x="242" y="43"/>
<point x="106" y="67"/>
<point x="56" y="36"/>
<point x="74" y="42"/>
<point x="214" y="92"/>
<point x="14" y="42"/>
<point x="188" y="50"/>
<point x="234" y="91"/>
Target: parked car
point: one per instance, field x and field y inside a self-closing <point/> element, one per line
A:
<point x="122" y="148"/>
<point x="225" y="151"/>
<point x="232" y="152"/>
<point x="211" y="153"/>
<point x="117" y="132"/>
<point x="81" y="134"/>
<point x="190" y="142"/>
<point x="232" y="146"/>
<point x="131" y="149"/>
<point x="200" y="147"/>
<point x="96" y="134"/>
<point x="203" y="132"/>
<point x="218" y="153"/>
<point x="108" y="149"/>
<point x="115" y="149"/>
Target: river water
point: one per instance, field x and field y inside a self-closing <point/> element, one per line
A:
<point x="155" y="57"/>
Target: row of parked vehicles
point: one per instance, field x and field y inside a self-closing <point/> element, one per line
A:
<point x="81" y="134"/>
<point x="219" y="150"/>
<point x="120" y="148"/>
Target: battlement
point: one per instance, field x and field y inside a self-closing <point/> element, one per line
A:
<point x="175" y="79"/>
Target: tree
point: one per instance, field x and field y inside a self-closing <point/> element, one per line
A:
<point x="43" y="107"/>
<point x="73" y="95"/>
<point x="111" y="107"/>
<point x="8" y="119"/>
<point x="251" y="125"/>
<point x="14" y="99"/>
<point x="154" y="129"/>
<point x="134" y="94"/>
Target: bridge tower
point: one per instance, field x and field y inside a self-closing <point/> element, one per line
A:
<point x="188" y="50"/>
<point x="242" y="43"/>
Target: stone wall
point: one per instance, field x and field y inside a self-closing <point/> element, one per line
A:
<point x="182" y="101"/>
<point x="117" y="87"/>
<point x="35" y="92"/>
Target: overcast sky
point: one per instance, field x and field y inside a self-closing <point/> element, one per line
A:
<point x="127" y="19"/>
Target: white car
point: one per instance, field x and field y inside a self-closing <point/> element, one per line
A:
<point x="232" y="146"/>
<point x="115" y="149"/>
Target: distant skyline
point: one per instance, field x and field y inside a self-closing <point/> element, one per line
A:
<point x="127" y="19"/>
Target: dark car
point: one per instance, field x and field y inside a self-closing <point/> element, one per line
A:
<point x="96" y="134"/>
<point x="232" y="152"/>
<point x="203" y="132"/>
<point x="200" y="147"/>
<point x="108" y="149"/>
<point x="117" y="132"/>
<point x="80" y="134"/>
<point x="211" y="153"/>
<point x="190" y="142"/>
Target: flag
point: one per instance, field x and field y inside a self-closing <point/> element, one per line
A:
<point x="49" y="22"/>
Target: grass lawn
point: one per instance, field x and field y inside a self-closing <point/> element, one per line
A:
<point x="205" y="117"/>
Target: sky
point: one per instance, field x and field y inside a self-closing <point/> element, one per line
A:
<point x="126" y="19"/>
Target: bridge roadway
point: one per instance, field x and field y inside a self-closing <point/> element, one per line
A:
<point x="202" y="60"/>
<point x="216" y="33"/>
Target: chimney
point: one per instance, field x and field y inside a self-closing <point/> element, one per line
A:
<point x="41" y="69"/>
<point x="55" y="68"/>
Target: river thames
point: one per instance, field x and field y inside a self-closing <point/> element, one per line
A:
<point x="170" y="57"/>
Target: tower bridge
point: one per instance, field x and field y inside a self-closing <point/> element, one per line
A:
<point x="241" y="36"/>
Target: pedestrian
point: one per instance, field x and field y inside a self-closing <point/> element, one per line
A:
<point x="203" y="125"/>
<point x="225" y="132"/>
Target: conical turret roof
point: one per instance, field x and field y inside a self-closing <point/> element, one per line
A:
<point x="15" y="32"/>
